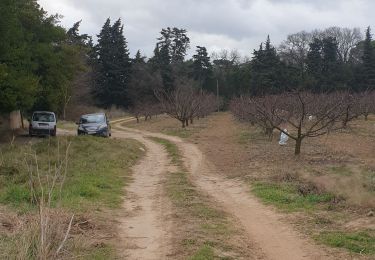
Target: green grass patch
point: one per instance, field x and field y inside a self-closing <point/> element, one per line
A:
<point x="97" y="170"/>
<point x="287" y="197"/>
<point x="358" y="242"/>
<point x="205" y="252"/>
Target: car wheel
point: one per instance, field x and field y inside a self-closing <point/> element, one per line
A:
<point x="53" y="133"/>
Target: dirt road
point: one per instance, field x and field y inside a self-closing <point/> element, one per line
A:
<point x="144" y="229"/>
<point x="274" y="238"/>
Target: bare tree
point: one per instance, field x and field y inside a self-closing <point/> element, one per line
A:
<point x="346" y="39"/>
<point x="307" y="114"/>
<point x="295" y="48"/>
<point x="185" y="102"/>
<point x="366" y="103"/>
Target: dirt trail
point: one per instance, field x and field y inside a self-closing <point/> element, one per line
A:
<point x="144" y="230"/>
<point x="276" y="239"/>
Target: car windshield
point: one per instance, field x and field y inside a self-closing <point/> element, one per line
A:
<point x="43" y="117"/>
<point x="90" y="119"/>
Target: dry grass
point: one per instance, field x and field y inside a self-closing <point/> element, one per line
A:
<point x="167" y="125"/>
<point x="330" y="187"/>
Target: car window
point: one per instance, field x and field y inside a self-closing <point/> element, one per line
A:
<point x="90" y="119"/>
<point x="43" y="117"/>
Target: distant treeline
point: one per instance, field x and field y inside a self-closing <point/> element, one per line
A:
<point x="39" y="61"/>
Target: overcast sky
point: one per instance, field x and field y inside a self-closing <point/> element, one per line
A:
<point x="216" y="24"/>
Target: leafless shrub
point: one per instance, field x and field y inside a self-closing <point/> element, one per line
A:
<point x="44" y="180"/>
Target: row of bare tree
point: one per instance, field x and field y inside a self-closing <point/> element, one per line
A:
<point x="186" y="102"/>
<point x="305" y="114"/>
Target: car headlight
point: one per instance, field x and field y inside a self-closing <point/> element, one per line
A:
<point x="81" y="128"/>
<point x="102" y="127"/>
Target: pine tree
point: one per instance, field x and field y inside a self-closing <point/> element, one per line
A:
<point x="332" y="77"/>
<point x="367" y="75"/>
<point x="201" y="66"/>
<point x="266" y="70"/>
<point x="139" y="58"/>
<point x="113" y="66"/>
<point x="315" y="64"/>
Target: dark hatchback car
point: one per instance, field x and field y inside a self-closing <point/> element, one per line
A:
<point x="94" y="124"/>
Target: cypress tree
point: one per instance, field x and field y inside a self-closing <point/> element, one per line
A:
<point x="266" y="70"/>
<point x="314" y="64"/>
<point x="112" y="66"/>
<point x="367" y="77"/>
<point x="201" y="66"/>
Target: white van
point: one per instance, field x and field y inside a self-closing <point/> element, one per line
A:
<point x="43" y="123"/>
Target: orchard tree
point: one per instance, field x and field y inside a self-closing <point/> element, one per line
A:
<point x="306" y="114"/>
<point x="185" y="102"/>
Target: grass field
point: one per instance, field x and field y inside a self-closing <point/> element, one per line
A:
<point x="97" y="171"/>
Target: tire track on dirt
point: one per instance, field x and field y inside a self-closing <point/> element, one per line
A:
<point x="276" y="239"/>
<point x="144" y="230"/>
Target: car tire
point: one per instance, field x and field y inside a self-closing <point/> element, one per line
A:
<point x="53" y="133"/>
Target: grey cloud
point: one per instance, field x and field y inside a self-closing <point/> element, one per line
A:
<point x="237" y="24"/>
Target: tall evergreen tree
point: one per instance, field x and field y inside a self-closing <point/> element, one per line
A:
<point x="139" y="58"/>
<point x="176" y="41"/>
<point x="314" y="64"/>
<point x="201" y="66"/>
<point x="112" y="66"/>
<point x="367" y="74"/>
<point x="265" y="69"/>
<point x="325" y="69"/>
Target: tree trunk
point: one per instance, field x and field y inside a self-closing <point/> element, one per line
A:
<point x="22" y="124"/>
<point x="346" y="119"/>
<point x="137" y="117"/>
<point x="191" y="121"/>
<point x="297" y="150"/>
<point x="183" y="123"/>
<point x="187" y="122"/>
<point x="366" y="117"/>
<point x="269" y="132"/>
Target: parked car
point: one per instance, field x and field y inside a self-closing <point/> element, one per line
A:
<point x="42" y="123"/>
<point x="94" y="124"/>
